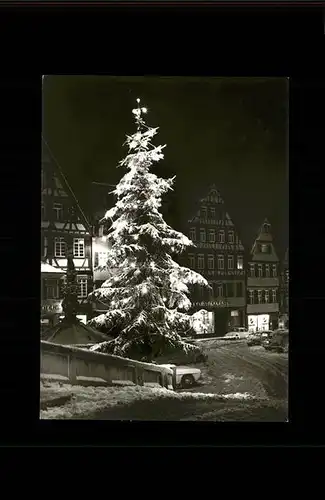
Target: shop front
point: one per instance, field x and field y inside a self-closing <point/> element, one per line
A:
<point x="218" y="317"/>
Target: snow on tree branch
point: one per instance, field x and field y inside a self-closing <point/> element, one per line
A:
<point x="148" y="290"/>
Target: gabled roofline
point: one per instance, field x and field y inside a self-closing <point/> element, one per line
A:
<point x="67" y="185"/>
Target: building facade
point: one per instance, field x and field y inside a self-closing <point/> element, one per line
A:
<point x="284" y="292"/>
<point x="218" y="255"/>
<point x="63" y="226"/>
<point x="101" y="201"/>
<point x="263" y="282"/>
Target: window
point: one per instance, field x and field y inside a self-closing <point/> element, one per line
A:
<point x="200" y="261"/>
<point x="259" y="296"/>
<point x="43" y="210"/>
<point x="45" y="244"/>
<point x="252" y="270"/>
<point x="274" y="298"/>
<point x="101" y="259"/>
<point x="230" y="289"/>
<point x="52" y="289"/>
<point x="221" y="263"/>
<point x="274" y="271"/>
<point x="203" y="213"/>
<point x="210" y="261"/>
<point x="191" y="260"/>
<point x="266" y="296"/>
<point x="240" y="262"/>
<point x="231" y="237"/>
<point x="78" y="247"/>
<point x="220" y="290"/>
<point x="212" y="236"/>
<point x="82" y="289"/>
<point x="251" y="296"/>
<point x="212" y="212"/>
<point x="239" y="289"/>
<point x="267" y="270"/>
<point x="193" y="234"/>
<point x="260" y="271"/>
<point x="221" y="236"/>
<point x="264" y="248"/>
<point x="230" y="262"/>
<point x="58" y="211"/>
<point x="203" y="234"/>
<point x="59" y="247"/>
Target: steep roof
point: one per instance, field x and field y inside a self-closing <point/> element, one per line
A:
<point x="264" y="237"/>
<point x="49" y="159"/>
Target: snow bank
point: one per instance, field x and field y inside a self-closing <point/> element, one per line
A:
<point x="89" y="400"/>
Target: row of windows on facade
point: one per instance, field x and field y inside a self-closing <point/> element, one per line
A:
<point x="263" y="270"/>
<point x="210" y="212"/>
<point x="58" y="212"/>
<point x="53" y="287"/>
<point x="60" y="247"/>
<point x="211" y="261"/>
<point x="222" y="290"/>
<point x="262" y="296"/>
<point x="213" y="235"/>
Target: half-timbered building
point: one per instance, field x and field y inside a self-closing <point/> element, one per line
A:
<point x="63" y="226"/>
<point x="284" y="292"/>
<point x="218" y="255"/>
<point x="263" y="282"/>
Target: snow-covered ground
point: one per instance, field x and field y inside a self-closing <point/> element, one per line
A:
<point x="88" y="400"/>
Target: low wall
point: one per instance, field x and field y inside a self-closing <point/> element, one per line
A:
<point x="73" y="362"/>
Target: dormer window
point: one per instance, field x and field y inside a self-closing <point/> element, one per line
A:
<point x="203" y="213"/>
<point x="265" y="248"/>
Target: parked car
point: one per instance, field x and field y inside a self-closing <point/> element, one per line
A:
<point x="186" y="376"/>
<point x="238" y="332"/>
<point x="232" y="336"/>
<point x="254" y="338"/>
<point x="279" y="341"/>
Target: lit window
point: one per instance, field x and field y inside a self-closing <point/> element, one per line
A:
<point x="203" y="213"/>
<point x="231" y="237"/>
<point x="240" y="262"/>
<point x="230" y="262"/>
<point x="78" y="247"/>
<point x="191" y="260"/>
<point x="200" y="261"/>
<point x="203" y="234"/>
<point x="259" y="296"/>
<point x="274" y="298"/>
<point x="266" y="296"/>
<point x="212" y="236"/>
<point x="265" y="248"/>
<point x="193" y="234"/>
<point x="52" y="289"/>
<point x="212" y="212"/>
<point x="221" y="263"/>
<point x="220" y="291"/>
<point x="210" y="261"/>
<point x="274" y="271"/>
<point x="82" y="288"/>
<point x="221" y="236"/>
<point x="252" y="270"/>
<point x="58" y="211"/>
<point x="102" y="258"/>
<point x="45" y="244"/>
<point x="260" y="271"/>
<point x="251" y="296"/>
<point x="59" y="247"/>
<point x="267" y="270"/>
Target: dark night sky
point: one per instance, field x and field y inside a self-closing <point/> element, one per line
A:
<point x="227" y="131"/>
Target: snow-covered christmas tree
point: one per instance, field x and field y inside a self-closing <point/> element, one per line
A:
<point x="147" y="296"/>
